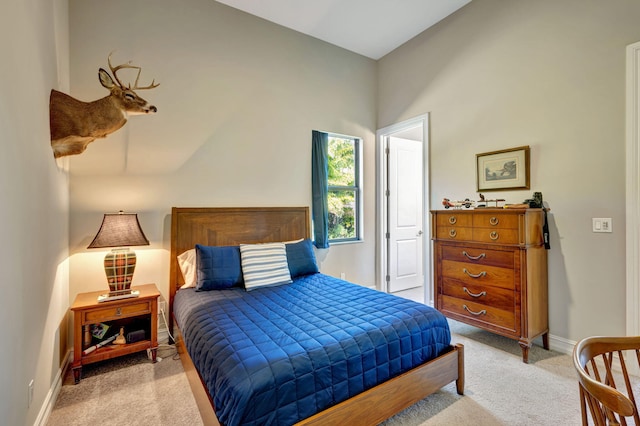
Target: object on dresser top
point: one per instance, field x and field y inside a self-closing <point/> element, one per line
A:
<point x="535" y="201"/>
<point x="457" y="204"/>
<point x="484" y="203"/>
<point x="490" y="271"/>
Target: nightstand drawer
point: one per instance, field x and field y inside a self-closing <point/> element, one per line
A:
<point x="107" y="314"/>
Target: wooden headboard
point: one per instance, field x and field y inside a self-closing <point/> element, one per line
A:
<point x="223" y="226"/>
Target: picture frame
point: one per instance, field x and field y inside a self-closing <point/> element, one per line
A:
<point x="503" y="170"/>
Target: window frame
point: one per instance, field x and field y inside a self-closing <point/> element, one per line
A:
<point x="356" y="188"/>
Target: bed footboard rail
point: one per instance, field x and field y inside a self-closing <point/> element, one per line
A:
<point x="383" y="401"/>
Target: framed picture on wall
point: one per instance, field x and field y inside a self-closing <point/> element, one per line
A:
<point x="503" y="170"/>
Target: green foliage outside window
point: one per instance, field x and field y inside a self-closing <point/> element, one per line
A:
<point x="343" y="196"/>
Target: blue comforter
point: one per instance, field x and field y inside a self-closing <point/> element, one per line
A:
<point x="277" y="355"/>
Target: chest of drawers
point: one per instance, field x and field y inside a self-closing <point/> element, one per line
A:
<point x="490" y="271"/>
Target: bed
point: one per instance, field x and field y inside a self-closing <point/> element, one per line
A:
<point x="317" y="350"/>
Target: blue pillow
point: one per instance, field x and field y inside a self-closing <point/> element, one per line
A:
<point x="301" y="258"/>
<point x="217" y="267"/>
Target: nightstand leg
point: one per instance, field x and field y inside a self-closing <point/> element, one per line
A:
<point x="154" y="352"/>
<point x="77" y="373"/>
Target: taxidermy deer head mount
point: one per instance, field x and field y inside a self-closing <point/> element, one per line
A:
<point x="74" y="124"/>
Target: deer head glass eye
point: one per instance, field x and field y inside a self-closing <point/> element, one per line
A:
<point x="129" y="96"/>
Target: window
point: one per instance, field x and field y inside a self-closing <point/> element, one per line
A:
<point x="343" y="185"/>
<point x="336" y="188"/>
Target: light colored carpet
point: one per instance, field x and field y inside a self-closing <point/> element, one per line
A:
<point x="500" y="390"/>
<point x="129" y="390"/>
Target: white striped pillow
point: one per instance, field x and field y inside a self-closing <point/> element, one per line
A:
<point x="264" y="265"/>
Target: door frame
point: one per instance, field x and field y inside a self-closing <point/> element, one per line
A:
<point x="633" y="189"/>
<point x="382" y="249"/>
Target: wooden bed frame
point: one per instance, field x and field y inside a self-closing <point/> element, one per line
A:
<point x="232" y="226"/>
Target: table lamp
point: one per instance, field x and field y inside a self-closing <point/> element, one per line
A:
<point x="119" y="230"/>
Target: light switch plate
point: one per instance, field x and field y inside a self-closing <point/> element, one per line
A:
<point x="602" y="224"/>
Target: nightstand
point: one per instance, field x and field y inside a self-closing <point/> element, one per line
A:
<point x="135" y="314"/>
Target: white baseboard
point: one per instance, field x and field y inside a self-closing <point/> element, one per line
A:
<point x="52" y="395"/>
<point x="560" y="344"/>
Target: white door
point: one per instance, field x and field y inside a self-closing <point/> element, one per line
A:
<point x="405" y="231"/>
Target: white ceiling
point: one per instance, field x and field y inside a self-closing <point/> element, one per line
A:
<point x="371" y="28"/>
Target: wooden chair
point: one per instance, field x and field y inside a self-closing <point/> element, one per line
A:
<point x="601" y="363"/>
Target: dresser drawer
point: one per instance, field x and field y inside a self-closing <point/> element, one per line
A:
<point x="478" y="312"/>
<point x="496" y="297"/>
<point x="496" y="236"/>
<point x="454" y="233"/>
<point x="483" y="275"/>
<point x="479" y="256"/>
<point x="495" y="220"/>
<point x="446" y="219"/>
<point x="107" y="314"/>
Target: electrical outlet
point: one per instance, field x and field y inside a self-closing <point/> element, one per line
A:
<point x="30" y="393"/>
<point x="161" y="305"/>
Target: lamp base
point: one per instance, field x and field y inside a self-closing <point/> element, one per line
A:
<point x="119" y="265"/>
<point x="117" y="295"/>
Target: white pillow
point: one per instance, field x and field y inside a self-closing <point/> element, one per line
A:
<point x="187" y="263"/>
<point x="264" y="265"/>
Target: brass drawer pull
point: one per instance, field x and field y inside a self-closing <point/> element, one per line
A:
<point x="452" y="233"/>
<point x="493" y="235"/>
<point x="452" y="220"/>
<point x="482" y="312"/>
<point x="482" y="293"/>
<point x="478" y="257"/>
<point x="481" y="274"/>
<point x="493" y="221"/>
<point x="118" y="311"/>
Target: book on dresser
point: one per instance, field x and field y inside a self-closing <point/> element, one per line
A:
<point x="490" y="271"/>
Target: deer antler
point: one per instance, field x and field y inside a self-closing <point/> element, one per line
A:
<point x="114" y="70"/>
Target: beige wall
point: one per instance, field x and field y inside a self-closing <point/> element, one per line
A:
<point x="239" y="97"/>
<point x="549" y="74"/>
<point x="34" y="213"/>
<point x="237" y="101"/>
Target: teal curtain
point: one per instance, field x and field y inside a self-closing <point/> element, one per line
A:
<point x="320" y="188"/>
